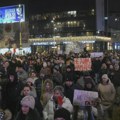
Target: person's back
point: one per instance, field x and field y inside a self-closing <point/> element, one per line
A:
<point x="62" y="114"/>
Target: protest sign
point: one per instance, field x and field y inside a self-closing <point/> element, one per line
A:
<point x="82" y="64"/>
<point x="84" y="98"/>
<point x="96" y="54"/>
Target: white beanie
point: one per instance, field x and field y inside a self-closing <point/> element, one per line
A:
<point x="105" y="76"/>
<point x="28" y="101"/>
<point x="30" y="80"/>
<point x="44" y="64"/>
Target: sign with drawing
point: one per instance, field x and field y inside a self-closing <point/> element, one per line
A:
<point x="84" y="98"/>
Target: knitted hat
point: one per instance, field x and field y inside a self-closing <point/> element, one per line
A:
<point x="62" y="113"/>
<point x="28" y="101"/>
<point x="44" y="64"/>
<point x="30" y="80"/>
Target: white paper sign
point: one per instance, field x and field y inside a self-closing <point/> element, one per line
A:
<point x="84" y="98"/>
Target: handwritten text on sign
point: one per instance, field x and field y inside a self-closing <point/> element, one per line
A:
<point x="84" y="98"/>
<point x="82" y="64"/>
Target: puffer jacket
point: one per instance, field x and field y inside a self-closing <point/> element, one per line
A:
<point x="48" y="112"/>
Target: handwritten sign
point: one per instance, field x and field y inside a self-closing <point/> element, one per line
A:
<point x="82" y="64"/>
<point x="84" y="98"/>
<point x="96" y="54"/>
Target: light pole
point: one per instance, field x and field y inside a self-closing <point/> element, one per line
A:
<point x="20" y="33"/>
<point x="20" y="37"/>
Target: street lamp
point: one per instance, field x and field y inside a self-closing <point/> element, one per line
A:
<point x="20" y="33"/>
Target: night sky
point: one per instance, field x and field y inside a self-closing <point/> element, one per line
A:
<point x="37" y="6"/>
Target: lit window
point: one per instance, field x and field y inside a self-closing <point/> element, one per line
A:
<point x="73" y="13"/>
<point x="92" y="12"/>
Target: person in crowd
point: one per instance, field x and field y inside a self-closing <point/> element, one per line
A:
<point x="69" y="73"/>
<point x="33" y="75"/>
<point x="107" y="94"/>
<point x="26" y="65"/>
<point x="57" y="101"/>
<point x="47" y="91"/>
<point x="62" y="114"/>
<point x="89" y="85"/>
<point x="39" y="85"/>
<point x="6" y="69"/>
<point x="111" y="72"/>
<point x="69" y="88"/>
<point x="86" y="77"/>
<point x="57" y="76"/>
<point x="61" y="64"/>
<point x="45" y="70"/>
<point x="22" y="74"/>
<point x="28" y="111"/>
<point x="103" y="70"/>
<point x="11" y="93"/>
<point x="91" y="110"/>
<point x="96" y="65"/>
<point x="116" y="107"/>
<point x="27" y="90"/>
<point x="30" y="82"/>
<point x="116" y="77"/>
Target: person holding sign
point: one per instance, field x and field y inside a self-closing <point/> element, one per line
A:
<point x="57" y="101"/>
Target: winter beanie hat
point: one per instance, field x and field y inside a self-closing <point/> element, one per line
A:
<point x="62" y="113"/>
<point x="105" y="78"/>
<point x="28" y="101"/>
<point x="30" y="80"/>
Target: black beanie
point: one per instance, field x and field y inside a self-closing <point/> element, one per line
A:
<point x="62" y="113"/>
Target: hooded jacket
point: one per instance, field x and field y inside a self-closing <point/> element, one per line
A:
<point x="107" y="94"/>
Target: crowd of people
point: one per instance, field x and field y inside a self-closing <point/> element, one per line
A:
<point x="41" y="86"/>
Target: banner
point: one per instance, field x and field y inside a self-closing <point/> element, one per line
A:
<point x="96" y="54"/>
<point x="84" y="98"/>
<point x="82" y="64"/>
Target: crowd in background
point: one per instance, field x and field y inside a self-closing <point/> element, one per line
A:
<point x="41" y="86"/>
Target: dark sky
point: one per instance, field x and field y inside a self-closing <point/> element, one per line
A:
<point x="36" y="6"/>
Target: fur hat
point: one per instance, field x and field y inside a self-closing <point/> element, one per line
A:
<point x="62" y="113"/>
<point x="28" y="101"/>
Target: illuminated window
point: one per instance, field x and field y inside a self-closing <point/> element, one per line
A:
<point x="73" y="13"/>
<point x="33" y="27"/>
<point x="92" y="12"/>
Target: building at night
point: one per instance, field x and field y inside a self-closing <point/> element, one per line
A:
<point x="70" y="25"/>
<point x="91" y="22"/>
